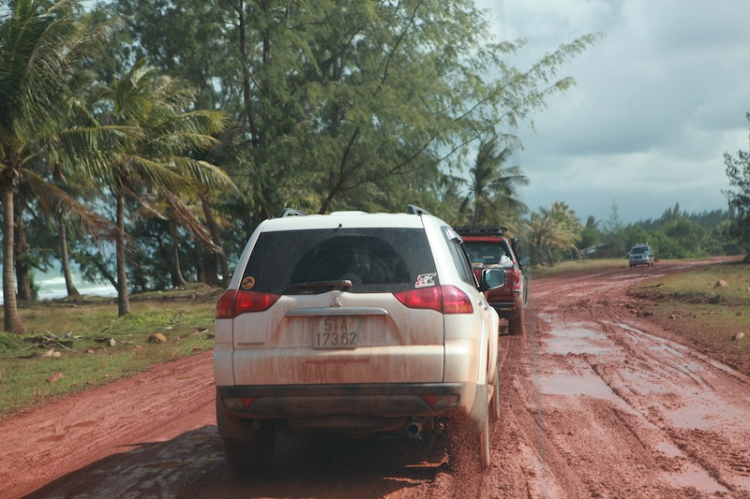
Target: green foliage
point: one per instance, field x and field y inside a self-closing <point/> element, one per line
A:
<point x="590" y="235"/>
<point x="493" y="196"/>
<point x="345" y="104"/>
<point x="324" y="105"/>
<point x="738" y="172"/>
<point x="554" y="232"/>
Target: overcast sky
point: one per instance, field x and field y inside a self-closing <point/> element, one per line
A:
<point x="658" y="101"/>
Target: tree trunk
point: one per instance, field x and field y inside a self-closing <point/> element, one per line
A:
<point x="65" y="260"/>
<point x="178" y="281"/>
<point x="21" y="249"/>
<point x="123" y="301"/>
<point x="208" y="268"/>
<point x="213" y="229"/>
<point x="12" y="319"/>
<point x="549" y="257"/>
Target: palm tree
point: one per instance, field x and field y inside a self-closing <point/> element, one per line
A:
<point x="554" y="228"/>
<point x="493" y="187"/>
<point x="160" y="159"/>
<point x="40" y="44"/>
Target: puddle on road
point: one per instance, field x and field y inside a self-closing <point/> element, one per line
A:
<point x="574" y="385"/>
<point x="689" y="418"/>
<point x="693" y="476"/>
<point x="575" y="340"/>
<point x="669" y="450"/>
<point x="643" y="383"/>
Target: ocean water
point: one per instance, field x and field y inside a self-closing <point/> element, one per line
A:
<point x="54" y="287"/>
<point x="51" y="287"/>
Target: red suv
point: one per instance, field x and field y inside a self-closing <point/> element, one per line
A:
<point x="488" y="247"/>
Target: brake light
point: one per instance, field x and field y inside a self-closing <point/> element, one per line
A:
<point x="443" y="299"/>
<point x="225" y="305"/>
<point x="515" y="279"/>
<point x="233" y="303"/>
<point x="456" y="301"/>
<point x="429" y="298"/>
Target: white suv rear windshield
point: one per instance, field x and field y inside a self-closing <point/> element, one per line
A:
<point x="380" y="260"/>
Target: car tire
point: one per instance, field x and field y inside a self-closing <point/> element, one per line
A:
<point x="484" y="443"/>
<point x="255" y="455"/>
<point x="495" y="402"/>
<point x="516" y="321"/>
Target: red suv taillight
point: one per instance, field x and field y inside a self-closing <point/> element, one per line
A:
<point x="515" y="279"/>
<point x="443" y="299"/>
<point x="236" y="302"/>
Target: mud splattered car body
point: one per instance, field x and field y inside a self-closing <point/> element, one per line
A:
<point x="354" y="323"/>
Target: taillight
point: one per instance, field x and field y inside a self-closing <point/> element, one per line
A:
<point x="515" y="279"/>
<point x="233" y="303"/>
<point x="225" y="305"/>
<point x="444" y="299"/>
<point x="430" y="298"/>
<point x="456" y="301"/>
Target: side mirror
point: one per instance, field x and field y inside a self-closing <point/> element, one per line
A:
<point x="492" y="278"/>
<point x="524" y="261"/>
<point x="514" y="244"/>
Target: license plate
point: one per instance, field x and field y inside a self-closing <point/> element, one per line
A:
<point x="336" y="332"/>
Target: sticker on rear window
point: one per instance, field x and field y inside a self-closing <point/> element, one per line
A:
<point x="248" y="282"/>
<point x="425" y="280"/>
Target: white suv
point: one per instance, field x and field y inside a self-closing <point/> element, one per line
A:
<point x="354" y="323"/>
<point x="641" y="254"/>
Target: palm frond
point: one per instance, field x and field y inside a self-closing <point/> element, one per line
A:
<point x="53" y="200"/>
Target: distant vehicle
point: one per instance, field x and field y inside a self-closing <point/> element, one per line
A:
<point x="641" y="254"/>
<point x="489" y="248"/>
<point x="353" y="323"/>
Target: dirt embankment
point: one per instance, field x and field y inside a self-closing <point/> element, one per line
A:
<point x="596" y="402"/>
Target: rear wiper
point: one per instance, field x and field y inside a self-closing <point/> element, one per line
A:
<point x="315" y="287"/>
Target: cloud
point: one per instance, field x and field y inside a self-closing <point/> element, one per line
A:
<point x="658" y="101"/>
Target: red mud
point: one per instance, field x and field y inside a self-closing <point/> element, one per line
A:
<point x="595" y="403"/>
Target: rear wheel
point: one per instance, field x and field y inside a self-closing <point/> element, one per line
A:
<point x="495" y="402"/>
<point x="484" y="442"/>
<point x="516" y="321"/>
<point x="252" y="455"/>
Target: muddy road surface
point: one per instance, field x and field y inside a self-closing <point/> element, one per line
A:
<point x="596" y="402"/>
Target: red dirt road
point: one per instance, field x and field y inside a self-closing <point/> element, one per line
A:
<point x="596" y="402"/>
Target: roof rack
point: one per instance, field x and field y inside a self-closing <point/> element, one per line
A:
<point x="481" y="230"/>
<point x="290" y="212"/>
<point x="416" y="210"/>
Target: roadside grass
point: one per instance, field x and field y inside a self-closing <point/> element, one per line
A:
<point x="571" y="266"/>
<point x="708" y="316"/>
<point x="81" y="332"/>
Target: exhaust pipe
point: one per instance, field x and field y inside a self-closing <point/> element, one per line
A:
<point x="414" y="429"/>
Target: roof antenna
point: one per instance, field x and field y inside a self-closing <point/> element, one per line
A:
<point x="416" y="210"/>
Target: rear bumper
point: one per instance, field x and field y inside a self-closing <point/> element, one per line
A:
<point x="289" y="401"/>
<point x="640" y="262"/>
<point x="369" y="407"/>
<point x="505" y="306"/>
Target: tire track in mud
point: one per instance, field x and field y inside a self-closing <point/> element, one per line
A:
<point x="660" y="384"/>
<point x="67" y="434"/>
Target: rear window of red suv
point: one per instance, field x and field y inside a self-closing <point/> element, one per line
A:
<point x="486" y="252"/>
<point x="374" y="259"/>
